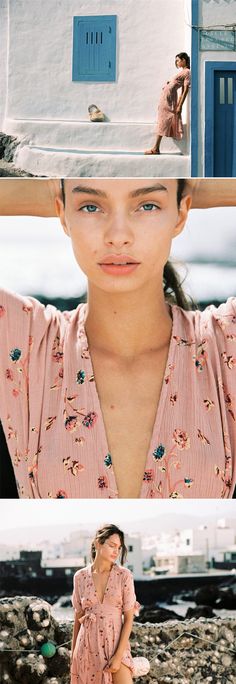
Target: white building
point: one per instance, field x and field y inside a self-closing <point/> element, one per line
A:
<point x="79" y="544"/>
<point x="180" y="563"/>
<point x="60" y="56"/>
<point x="213" y="150"/>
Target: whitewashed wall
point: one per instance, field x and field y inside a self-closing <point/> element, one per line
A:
<point x="212" y="12"/>
<point x="3" y="56"/>
<point x="150" y="33"/>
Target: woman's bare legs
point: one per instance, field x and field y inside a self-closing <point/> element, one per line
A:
<point x="156" y="148"/>
<point x="124" y="676"/>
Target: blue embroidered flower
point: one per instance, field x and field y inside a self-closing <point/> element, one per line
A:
<point x="159" y="452"/>
<point x="188" y="481"/>
<point x="80" y="377"/>
<point x="108" y="461"/>
<point x="15" y="354"/>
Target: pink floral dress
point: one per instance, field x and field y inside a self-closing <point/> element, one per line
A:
<point x="169" y="123"/>
<point x="101" y="624"/>
<point x="52" y="417"/>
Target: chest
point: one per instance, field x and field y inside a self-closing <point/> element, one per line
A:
<point x="129" y="396"/>
<point x="100" y="583"/>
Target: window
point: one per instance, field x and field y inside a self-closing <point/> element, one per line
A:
<point x="217" y="40"/>
<point x="68" y="571"/>
<point x="49" y="572"/>
<point x="94" y="48"/>
<point x="130" y="548"/>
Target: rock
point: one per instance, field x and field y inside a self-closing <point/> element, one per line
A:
<point x="155" y="614"/>
<point x="200" y="611"/>
<point x="180" y="652"/>
<point x="207" y="596"/>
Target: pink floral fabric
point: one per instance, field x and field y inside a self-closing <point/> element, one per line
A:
<point x="101" y="624"/>
<point x="169" y="122"/>
<point x="52" y="418"/>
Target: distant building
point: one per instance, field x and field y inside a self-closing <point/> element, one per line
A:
<point x="79" y="543"/>
<point x="180" y="563"/>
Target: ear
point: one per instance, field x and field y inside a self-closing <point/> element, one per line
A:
<point x="183" y="210"/>
<point x="60" y="212"/>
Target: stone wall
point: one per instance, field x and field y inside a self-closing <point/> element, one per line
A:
<point x="180" y="652"/>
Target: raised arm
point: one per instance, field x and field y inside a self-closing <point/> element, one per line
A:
<point x="212" y="192"/>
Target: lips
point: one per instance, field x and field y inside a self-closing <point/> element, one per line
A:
<point x="118" y="260"/>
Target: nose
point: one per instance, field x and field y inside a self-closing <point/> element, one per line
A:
<point x="118" y="231"/>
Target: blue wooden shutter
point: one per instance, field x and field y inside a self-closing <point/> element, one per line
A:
<point x="94" y="48"/>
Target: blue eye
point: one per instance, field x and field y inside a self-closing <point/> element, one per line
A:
<point x="149" y="206"/>
<point x="89" y="208"/>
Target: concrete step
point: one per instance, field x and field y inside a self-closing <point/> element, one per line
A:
<point x="107" y="136"/>
<point x="63" y="162"/>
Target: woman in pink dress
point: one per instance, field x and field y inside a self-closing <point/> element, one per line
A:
<point x="133" y="394"/>
<point x="104" y="602"/>
<point x="170" y="107"/>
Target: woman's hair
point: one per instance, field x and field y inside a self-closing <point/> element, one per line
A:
<point x="105" y="533"/>
<point x="172" y="284"/>
<point x="184" y="55"/>
<point x="174" y="293"/>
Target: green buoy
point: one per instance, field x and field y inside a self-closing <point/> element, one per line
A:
<point x="48" y="649"/>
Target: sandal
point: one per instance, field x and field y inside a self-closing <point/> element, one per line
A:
<point x="151" y="151"/>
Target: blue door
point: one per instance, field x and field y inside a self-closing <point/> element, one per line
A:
<point x="94" y="48"/>
<point x="224" y="123"/>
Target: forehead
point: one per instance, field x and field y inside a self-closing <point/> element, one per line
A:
<point x="114" y="539"/>
<point x="119" y="188"/>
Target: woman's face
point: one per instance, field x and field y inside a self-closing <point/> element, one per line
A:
<point x="121" y="229"/>
<point x="110" y="550"/>
<point x="180" y="63"/>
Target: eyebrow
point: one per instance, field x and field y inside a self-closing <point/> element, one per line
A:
<point x="88" y="190"/>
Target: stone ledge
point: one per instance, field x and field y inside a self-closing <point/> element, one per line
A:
<point x="187" y="652"/>
<point x="66" y="163"/>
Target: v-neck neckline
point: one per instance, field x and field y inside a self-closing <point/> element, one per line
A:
<point x="106" y="587"/>
<point x="162" y="398"/>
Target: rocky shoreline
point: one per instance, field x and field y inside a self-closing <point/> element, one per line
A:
<point x="180" y="652"/>
<point x="8" y="145"/>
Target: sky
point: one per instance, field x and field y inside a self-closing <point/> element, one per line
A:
<point x="15" y="514"/>
<point x="36" y="256"/>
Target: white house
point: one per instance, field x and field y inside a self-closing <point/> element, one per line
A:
<point x="213" y="120"/>
<point x="60" y="56"/>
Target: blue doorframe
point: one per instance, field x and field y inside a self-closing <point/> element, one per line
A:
<point x="194" y="89"/>
<point x="210" y="68"/>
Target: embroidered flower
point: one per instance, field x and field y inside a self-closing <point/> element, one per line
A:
<point x="15" y="392"/>
<point x="173" y="398"/>
<point x="74" y="467"/>
<point x="209" y="404"/>
<point x="2" y="311"/>
<point x="80" y="377"/>
<point x="175" y="495"/>
<point x="148" y="475"/>
<point x="61" y="494"/>
<point x="9" y="374"/>
<point x="80" y="440"/>
<point x="49" y="422"/>
<point x="202" y="437"/>
<point x="230" y="361"/>
<point x="159" y="452"/>
<point x="15" y="354"/>
<point x="181" y="439"/>
<point x="89" y="420"/>
<point x="71" y="423"/>
<point x="188" y="482"/>
<point x="108" y="461"/>
<point x="102" y="482"/>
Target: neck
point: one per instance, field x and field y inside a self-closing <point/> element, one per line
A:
<point x="101" y="566"/>
<point x="127" y="324"/>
